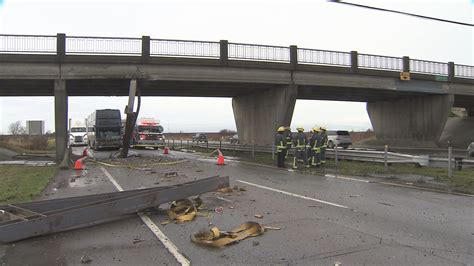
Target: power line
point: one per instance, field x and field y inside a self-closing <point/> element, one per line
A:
<point x="402" y="13"/>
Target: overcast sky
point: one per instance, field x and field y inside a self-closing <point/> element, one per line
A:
<point x="308" y="24"/>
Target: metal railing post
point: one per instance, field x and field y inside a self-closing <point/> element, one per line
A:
<point x="207" y="145"/>
<point x="224" y="52"/>
<point x="335" y="155"/>
<point x="233" y="152"/>
<point x="220" y="144"/>
<point x="354" y="61"/>
<point x="145" y="48"/>
<point x="293" y="56"/>
<point x="450" y="155"/>
<point x="61" y="46"/>
<point x="406" y="64"/>
<point x="181" y="144"/>
<point x="385" y="155"/>
<point x="451" y="71"/>
<point x="173" y="143"/>
<point x="187" y="144"/>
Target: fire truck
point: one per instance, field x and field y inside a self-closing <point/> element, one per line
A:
<point x="148" y="133"/>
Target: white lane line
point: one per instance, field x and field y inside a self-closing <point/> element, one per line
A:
<point x="347" y="178"/>
<point x="170" y="246"/>
<point x="294" y="195"/>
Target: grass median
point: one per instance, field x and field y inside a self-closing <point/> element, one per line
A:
<point x="432" y="177"/>
<point x="21" y="183"/>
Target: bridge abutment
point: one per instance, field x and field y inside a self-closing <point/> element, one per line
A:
<point x="258" y="115"/>
<point x="408" y="120"/>
<point x="60" y="118"/>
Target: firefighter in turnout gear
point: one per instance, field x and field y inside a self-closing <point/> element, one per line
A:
<point x="288" y="139"/>
<point x="300" y="142"/>
<point x="324" y="144"/>
<point x="315" y="147"/>
<point x="280" y="143"/>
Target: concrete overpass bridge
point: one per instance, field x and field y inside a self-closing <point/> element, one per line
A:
<point x="407" y="99"/>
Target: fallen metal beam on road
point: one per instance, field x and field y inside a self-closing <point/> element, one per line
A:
<point x="25" y="220"/>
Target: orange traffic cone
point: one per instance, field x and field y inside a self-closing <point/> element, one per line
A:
<point x="84" y="152"/>
<point x="165" y="150"/>
<point x="220" y="158"/>
<point x="79" y="164"/>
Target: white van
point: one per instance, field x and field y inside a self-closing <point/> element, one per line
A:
<point x="341" y="138"/>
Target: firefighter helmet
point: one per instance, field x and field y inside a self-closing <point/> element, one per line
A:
<point x="281" y="129"/>
<point x="315" y="129"/>
<point x="300" y="129"/>
<point x="323" y="128"/>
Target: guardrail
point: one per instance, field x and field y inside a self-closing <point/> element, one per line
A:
<point x="342" y="154"/>
<point x="62" y="45"/>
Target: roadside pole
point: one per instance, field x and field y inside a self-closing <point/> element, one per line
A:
<point x="273" y="151"/>
<point x="385" y="155"/>
<point x="450" y="158"/>
<point x="336" y="160"/>
<point x="253" y="148"/>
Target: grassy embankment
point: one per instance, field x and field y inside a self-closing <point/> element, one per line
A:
<point x="23" y="183"/>
<point x="461" y="181"/>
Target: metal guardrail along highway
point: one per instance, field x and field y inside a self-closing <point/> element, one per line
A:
<point x="343" y="154"/>
<point x="77" y="45"/>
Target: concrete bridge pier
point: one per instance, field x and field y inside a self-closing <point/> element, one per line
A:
<point x="60" y="118"/>
<point x="258" y="115"/>
<point x="406" y="121"/>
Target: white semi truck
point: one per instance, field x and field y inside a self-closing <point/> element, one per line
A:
<point x="77" y="133"/>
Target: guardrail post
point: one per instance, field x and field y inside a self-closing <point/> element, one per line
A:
<point x="233" y="149"/>
<point x="224" y="52"/>
<point x="61" y="46"/>
<point x="451" y="71"/>
<point x="173" y="143"/>
<point x="181" y="144"/>
<point x="273" y="151"/>
<point x="293" y="56"/>
<point x="207" y="145"/>
<point x="145" y="48"/>
<point x="385" y="155"/>
<point x="406" y="64"/>
<point x="450" y="157"/>
<point x="354" y="61"/>
<point x="187" y="144"/>
<point x="336" y="159"/>
<point x="220" y="144"/>
<point x="253" y="148"/>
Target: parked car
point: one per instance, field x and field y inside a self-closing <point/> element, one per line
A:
<point x="341" y="138"/>
<point x="234" y="139"/>
<point x="470" y="149"/>
<point x="199" y="137"/>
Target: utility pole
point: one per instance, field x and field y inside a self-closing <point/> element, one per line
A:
<point x="131" y="117"/>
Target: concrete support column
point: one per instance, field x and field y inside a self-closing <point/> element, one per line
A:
<point x="258" y="115"/>
<point x="60" y="118"/>
<point x="470" y="111"/>
<point x="410" y="119"/>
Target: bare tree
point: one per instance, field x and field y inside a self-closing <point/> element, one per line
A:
<point x="16" y="128"/>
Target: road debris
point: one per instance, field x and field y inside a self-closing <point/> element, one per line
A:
<point x="255" y="243"/>
<point x="217" y="238"/>
<point x="171" y="174"/>
<point x="258" y="216"/>
<point x="224" y="199"/>
<point x="225" y="190"/>
<point x="219" y="210"/>
<point x="183" y="210"/>
<point x="85" y="259"/>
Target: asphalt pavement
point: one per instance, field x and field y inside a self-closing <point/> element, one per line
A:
<point x="323" y="220"/>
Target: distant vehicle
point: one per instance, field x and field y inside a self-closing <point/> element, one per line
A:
<point x="148" y="133"/>
<point x="104" y="129"/>
<point x="199" y="137"/>
<point x="341" y="138"/>
<point x="234" y="139"/>
<point x="470" y="149"/>
<point x="78" y="134"/>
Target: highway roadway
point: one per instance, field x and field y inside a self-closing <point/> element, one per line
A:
<point x="323" y="220"/>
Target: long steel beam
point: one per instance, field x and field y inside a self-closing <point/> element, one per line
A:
<point x="51" y="216"/>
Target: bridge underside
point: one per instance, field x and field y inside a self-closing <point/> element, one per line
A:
<point x="119" y="87"/>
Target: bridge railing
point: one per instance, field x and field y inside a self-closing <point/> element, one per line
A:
<point x="103" y="45"/>
<point x="28" y="44"/>
<point x="180" y="48"/>
<point x="380" y="62"/>
<point x="323" y="57"/>
<point x="464" y="71"/>
<point x="242" y="51"/>
<point x="62" y="45"/>
<point x="428" y="67"/>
